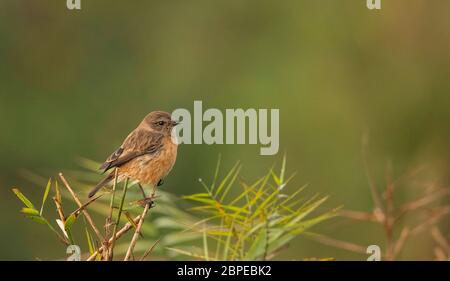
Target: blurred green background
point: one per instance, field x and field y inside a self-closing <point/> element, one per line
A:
<point x="74" y="83"/>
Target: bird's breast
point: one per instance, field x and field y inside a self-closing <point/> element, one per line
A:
<point x="150" y="168"/>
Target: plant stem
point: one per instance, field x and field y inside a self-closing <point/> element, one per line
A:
<point x="77" y="200"/>
<point x="119" y="234"/>
<point x="137" y="232"/>
<point x="119" y="214"/>
<point x="108" y="222"/>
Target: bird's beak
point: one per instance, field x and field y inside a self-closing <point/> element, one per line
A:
<point x="174" y="123"/>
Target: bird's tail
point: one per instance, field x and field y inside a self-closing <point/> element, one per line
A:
<point x="101" y="184"/>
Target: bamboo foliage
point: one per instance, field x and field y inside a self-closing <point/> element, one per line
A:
<point x="231" y="220"/>
<point x="254" y="223"/>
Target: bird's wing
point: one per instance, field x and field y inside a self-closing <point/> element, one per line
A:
<point x="137" y="143"/>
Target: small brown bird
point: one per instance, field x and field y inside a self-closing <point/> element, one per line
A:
<point x="147" y="154"/>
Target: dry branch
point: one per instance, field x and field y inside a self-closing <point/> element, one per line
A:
<point x="77" y="200"/>
<point x="119" y="234"/>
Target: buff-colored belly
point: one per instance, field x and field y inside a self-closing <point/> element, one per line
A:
<point x="151" y="168"/>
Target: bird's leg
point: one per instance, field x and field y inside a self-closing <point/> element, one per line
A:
<point x="142" y="189"/>
<point x="146" y="200"/>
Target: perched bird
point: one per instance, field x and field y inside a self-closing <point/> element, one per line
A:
<point x="147" y="154"/>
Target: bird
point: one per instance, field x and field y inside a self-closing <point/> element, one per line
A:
<point x="146" y="156"/>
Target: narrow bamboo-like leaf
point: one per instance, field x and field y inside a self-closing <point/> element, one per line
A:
<point x="293" y="195"/>
<point x="70" y="221"/>
<point x="23" y="198"/>
<point x="216" y="174"/>
<point x="219" y="242"/>
<point x="279" y="240"/>
<point x="283" y="170"/>
<point x="44" y="198"/>
<point x="227" y="244"/>
<point x="89" y="241"/>
<point x="205" y="246"/>
<point x="216" y="204"/>
<point x="29" y="211"/>
<point x="265" y="203"/>
<point x="37" y="219"/>
<point x="307" y="210"/>
<point x="197" y="195"/>
<point x="258" y="246"/>
<point x="131" y="221"/>
<point x="275" y="177"/>
<point x="244" y="194"/>
<point x="230" y="184"/>
<point x="225" y="180"/>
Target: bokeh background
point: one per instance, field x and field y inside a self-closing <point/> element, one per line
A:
<point x="74" y="83"/>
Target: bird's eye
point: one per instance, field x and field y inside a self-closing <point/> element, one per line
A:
<point x="160" y="123"/>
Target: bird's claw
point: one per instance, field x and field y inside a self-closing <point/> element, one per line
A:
<point x="145" y="201"/>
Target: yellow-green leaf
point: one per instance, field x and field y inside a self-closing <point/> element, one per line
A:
<point x="69" y="222"/>
<point x="47" y="189"/>
<point x="23" y="198"/>
<point x="30" y="211"/>
<point x="37" y="219"/>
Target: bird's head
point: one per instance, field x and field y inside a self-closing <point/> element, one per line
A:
<point x="159" y="121"/>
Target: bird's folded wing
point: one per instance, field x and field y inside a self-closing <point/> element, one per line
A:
<point x="137" y="143"/>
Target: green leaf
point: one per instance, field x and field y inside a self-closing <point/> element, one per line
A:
<point x="265" y="203"/>
<point x="216" y="204"/>
<point x="90" y="242"/>
<point x="227" y="189"/>
<point x="227" y="244"/>
<point x="258" y="246"/>
<point x="30" y="211"/>
<point x="70" y="221"/>
<point x="37" y="219"/>
<point x="216" y="173"/>
<point x="283" y="171"/>
<point x="225" y="180"/>
<point x="275" y="178"/>
<point x="131" y="221"/>
<point x="205" y="246"/>
<point x="23" y="198"/>
<point x="303" y="212"/>
<point x="47" y="189"/>
<point x="197" y="195"/>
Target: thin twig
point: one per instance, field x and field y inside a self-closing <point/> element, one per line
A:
<point x="440" y="239"/>
<point x="373" y="188"/>
<point x="400" y="243"/>
<point x="119" y="234"/>
<point x="59" y="209"/>
<point x="116" y="225"/>
<point x="337" y="243"/>
<point x="137" y="232"/>
<point x="149" y="250"/>
<point x="86" y="214"/>
<point x="109" y="218"/>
